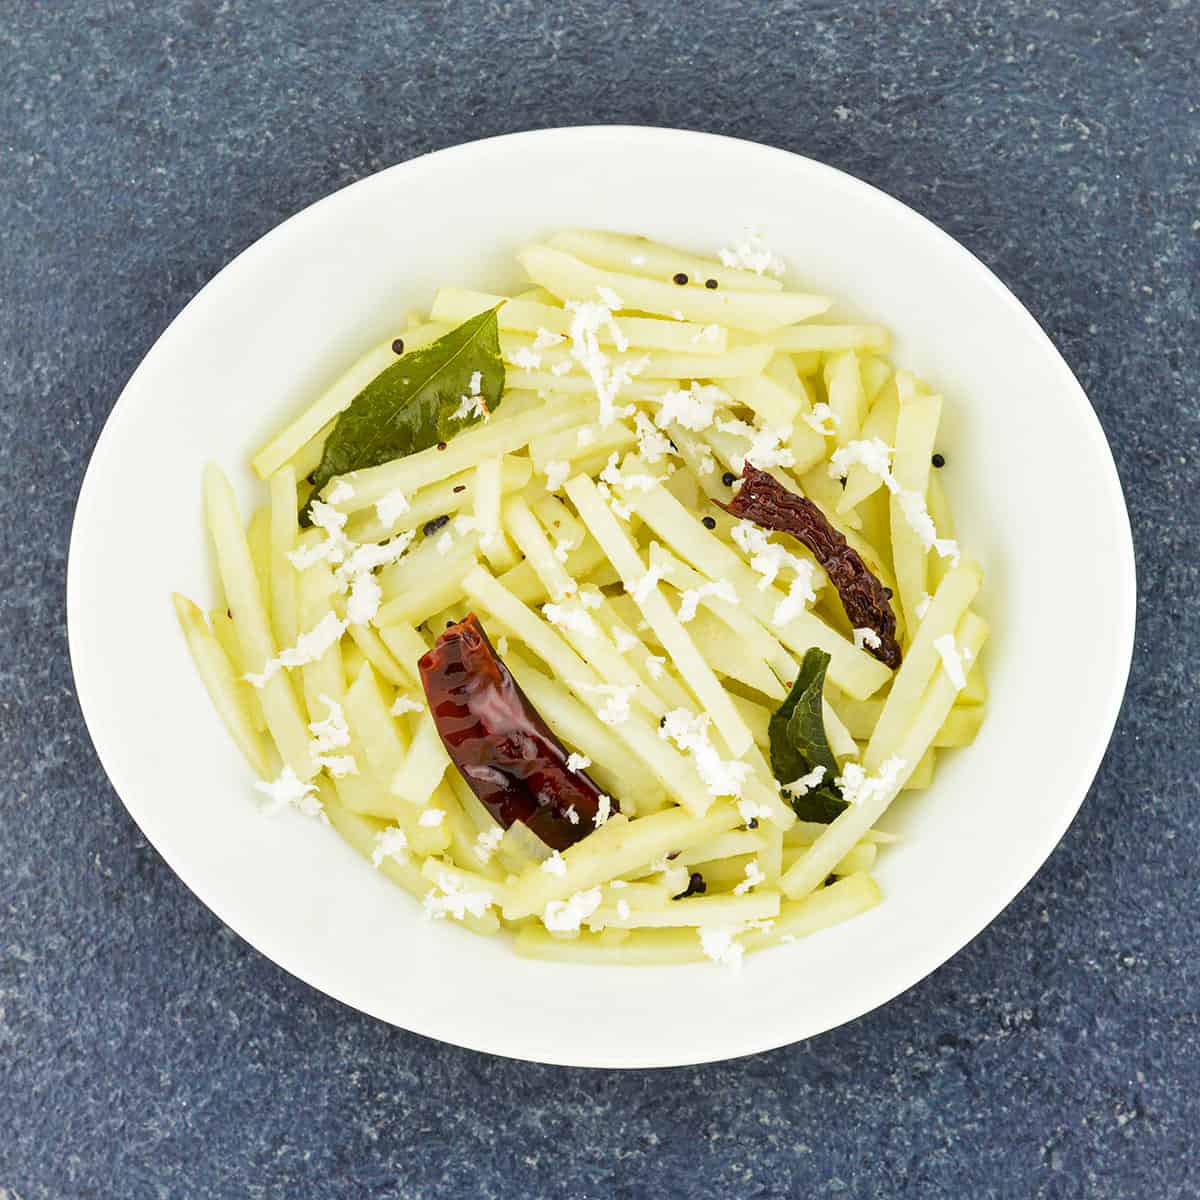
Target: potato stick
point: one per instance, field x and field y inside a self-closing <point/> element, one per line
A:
<point x="284" y="717"/>
<point x="945" y="612"/>
<point x="481" y="820"/>
<point x="441" y="873"/>
<point x="331" y="402"/>
<point x="524" y="583"/>
<point x="823" y="908"/>
<point x="692" y="912"/>
<point x="652" y="668"/>
<point x="804" y="833"/>
<point x="615" y="848"/>
<point x="651" y="947"/>
<point x="640" y="256"/>
<point x="670" y="768"/>
<point x="424" y="764"/>
<point x="851" y="824"/>
<point x="361" y="833"/>
<point x="381" y="736"/>
<point x="559" y="522"/>
<point x="452" y="306"/>
<point x="843" y="381"/>
<point x="518" y="350"/>
<point x="283" y="530"/>
<point x="881" y="424"/>
<point x="415" y="607"/>
<point x="700" y="463"/>
<point x="465" y="449"/>
<point x="774" y="405"/>
<point x="922" y="775"/>
<point x="226" y="635"/>
<point x="533" y="543"/>
<point x="826" y="493"/>
<point x="683" y="486"/>
<point x="258" y="538"/>
<point x="308" y="458"/>
<point x="723" y="874"/>
<point x="377" y="654"/>
<point x="352" y="659"/>
<point x="637" y="895"/>
<point x="770" y="859"/>
<point x="943" y="522"/>
<point x="806" y="444"/>
<point x="226" y="690"/>
<point x="756" y="717"/>
<point x="726" y="655"/>
<point x="855" y="671"/>
<point x="573" y="386"/>
<point x="406" y="646"/>
<point x="860" y="857"/>
<point x="726" y="845"/>
<point x="840" y="740"/>
<point x="876" y="372"/>
<point x="567" y="277"/>
<point x="798" y="339"/>
<point x="430" y="559"/>
<point x="326" y="676"/>
<point x="439" y="499"/>
<point x="761" y="789"/>
<point x="976" y="691"/>
<point x="566" y="446"/>
<point x="916" y="428"/>
<point x="538" y="634"/>
<point x="493" y="541"/>
<point x="692" y="667"/>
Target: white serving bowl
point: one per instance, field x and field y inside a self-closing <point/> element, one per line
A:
<point x="1029" y="474"/>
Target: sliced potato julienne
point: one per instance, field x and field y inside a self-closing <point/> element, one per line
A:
<point x="757" y="312"/>
<point x="227" y="691"/>
<point x="452" y="306"/>
<point x="641" y="256"/>
<point x="283" y="714"/>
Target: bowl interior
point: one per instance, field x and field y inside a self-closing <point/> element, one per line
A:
<point x="1029" y="474"/>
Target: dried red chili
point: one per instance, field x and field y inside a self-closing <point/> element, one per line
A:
<point x="765" y="501"/>
<point x="498" y="740"/>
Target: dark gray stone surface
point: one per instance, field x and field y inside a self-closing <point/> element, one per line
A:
<point x="145" y="1051"/>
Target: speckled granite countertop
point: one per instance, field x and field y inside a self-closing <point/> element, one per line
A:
<point x="145" y="1051"/>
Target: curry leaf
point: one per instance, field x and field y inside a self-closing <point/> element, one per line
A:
<point x="798" y="741"/>
<point x="418" y="401"/>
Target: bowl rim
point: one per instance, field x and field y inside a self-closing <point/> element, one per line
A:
<point x="90" y="695"/>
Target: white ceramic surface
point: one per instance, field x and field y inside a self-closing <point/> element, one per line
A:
<point x="1030" y="477"/>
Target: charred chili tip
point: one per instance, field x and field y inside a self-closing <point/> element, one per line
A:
<point x="709" y="522"/>
<point x="680" y="278"/>
<point x="711" y="284"/>
<point x="938" y="460"/>
<point x="729" y="479"/>
<point x="398" y="346"/>
<point x="696" y="886"/>
<point x="431" y="527"/>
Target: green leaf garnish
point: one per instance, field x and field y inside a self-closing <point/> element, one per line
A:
<point x="417" y="402"/>
<point x="798" y="742"/>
